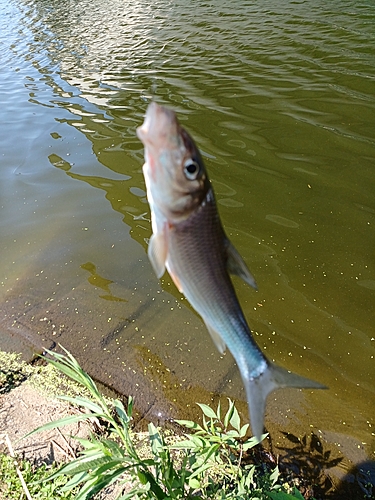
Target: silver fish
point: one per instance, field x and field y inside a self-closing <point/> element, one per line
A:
<point x="189" y="241"/>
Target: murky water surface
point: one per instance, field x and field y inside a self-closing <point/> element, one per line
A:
<point x="280" y="97"/>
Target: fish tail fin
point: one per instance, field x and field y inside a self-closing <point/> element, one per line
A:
<point x="257" y="389"/>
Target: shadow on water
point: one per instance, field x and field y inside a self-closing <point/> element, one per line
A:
<point x="322" y="474"/>
<point x="358" y="483"/>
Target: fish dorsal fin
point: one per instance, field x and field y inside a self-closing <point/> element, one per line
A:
<point x="216" y="337"/>
<point x="236" y="265"/>
<point x="157" y="252"/>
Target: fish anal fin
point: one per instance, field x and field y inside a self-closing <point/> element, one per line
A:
<point x="217" y="339"/>
<point x="157" y="252"/>
<point x="237" y="266"/>
<point x="272" y="378"/>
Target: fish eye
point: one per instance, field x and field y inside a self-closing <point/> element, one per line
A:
<point x="191" y="169"/>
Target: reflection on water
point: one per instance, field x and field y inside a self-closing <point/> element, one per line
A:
<point x="279" y="97"/>
<point x="277" y="219"/>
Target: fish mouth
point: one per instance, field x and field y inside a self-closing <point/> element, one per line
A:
<point x="160" y="134"/>
<point x="143" y="131"/>
<point x="159" y="128"/>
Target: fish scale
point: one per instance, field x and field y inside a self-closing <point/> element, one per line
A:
<point x="203" y="268"/>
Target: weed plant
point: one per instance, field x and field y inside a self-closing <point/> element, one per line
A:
<point x="207" y="462"/>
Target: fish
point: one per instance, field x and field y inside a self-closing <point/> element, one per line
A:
<point x="189" y="241"/>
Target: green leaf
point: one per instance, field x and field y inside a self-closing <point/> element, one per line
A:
<point x="253" y="441"/>
<point x="283" y="495"/>
<point x="89" y="444"/>
<point x="199" y="441"/>
<point x="190" y="425"/>
<point x="90" y="405"/>
<point x="211" y="451"/>
<point x="235" y="420"/>
<point x="232" y="434"/>
<point x="274" y="476"/>
<point x="157" y="445"/>
<point x="142" y="477"/>
<point x="229" y="413"/>
<point x="67" y="370"/>
<point x="68" y="365"/>
<point x="113" y="448"/>
<point x="187" y="444"/>
<point x="249" y="477"/>
<point x="120" y="410"/>
<point x="60" y="423"/>
<point x="149" y="462"/>
<point x="200" y="470"/>
<point x="93" y="452"/>
<point x="218" y="411"/>
<point x="209" y="412"/>
<point x="130" y="406"/>
<point x="154" y="487"/>
<point x="205" y="424"/>
<point x="112" y="464"/>
<point x="132" y="494"/>
<point x="75" y="481"/>
<point x="194" y="483"/>
<point x="244" y="430"/>
<point x="85" y="464"/>
<point x="98" y="483"/>
<point x="297" y="494"/>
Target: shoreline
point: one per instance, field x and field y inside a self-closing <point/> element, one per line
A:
<point x="34" y="388"/>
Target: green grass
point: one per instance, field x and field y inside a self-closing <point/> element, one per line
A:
<point x="34" y="477"/>
<point x="209" y="461"/>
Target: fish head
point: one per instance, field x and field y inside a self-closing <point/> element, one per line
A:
<point x="174" y="172"/>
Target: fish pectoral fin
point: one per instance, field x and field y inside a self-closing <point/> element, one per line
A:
<point x="236" y="265"/>
<point x="258" y="388"/>
<point x="216" y="337"/>
<point x="157" y="252"/>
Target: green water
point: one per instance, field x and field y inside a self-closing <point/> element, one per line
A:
<point x="280" y="98"/>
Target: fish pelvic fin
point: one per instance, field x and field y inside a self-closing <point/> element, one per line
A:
<point x="157" y="252"/>
<point x="216" y="337"/>
<point x="236" y="265"/>
<point x="257" y="389"/>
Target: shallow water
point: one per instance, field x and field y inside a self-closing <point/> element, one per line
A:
<point x="279" y="96"/>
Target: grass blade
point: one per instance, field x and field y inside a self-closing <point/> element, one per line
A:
<point x="61" y="423"/>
